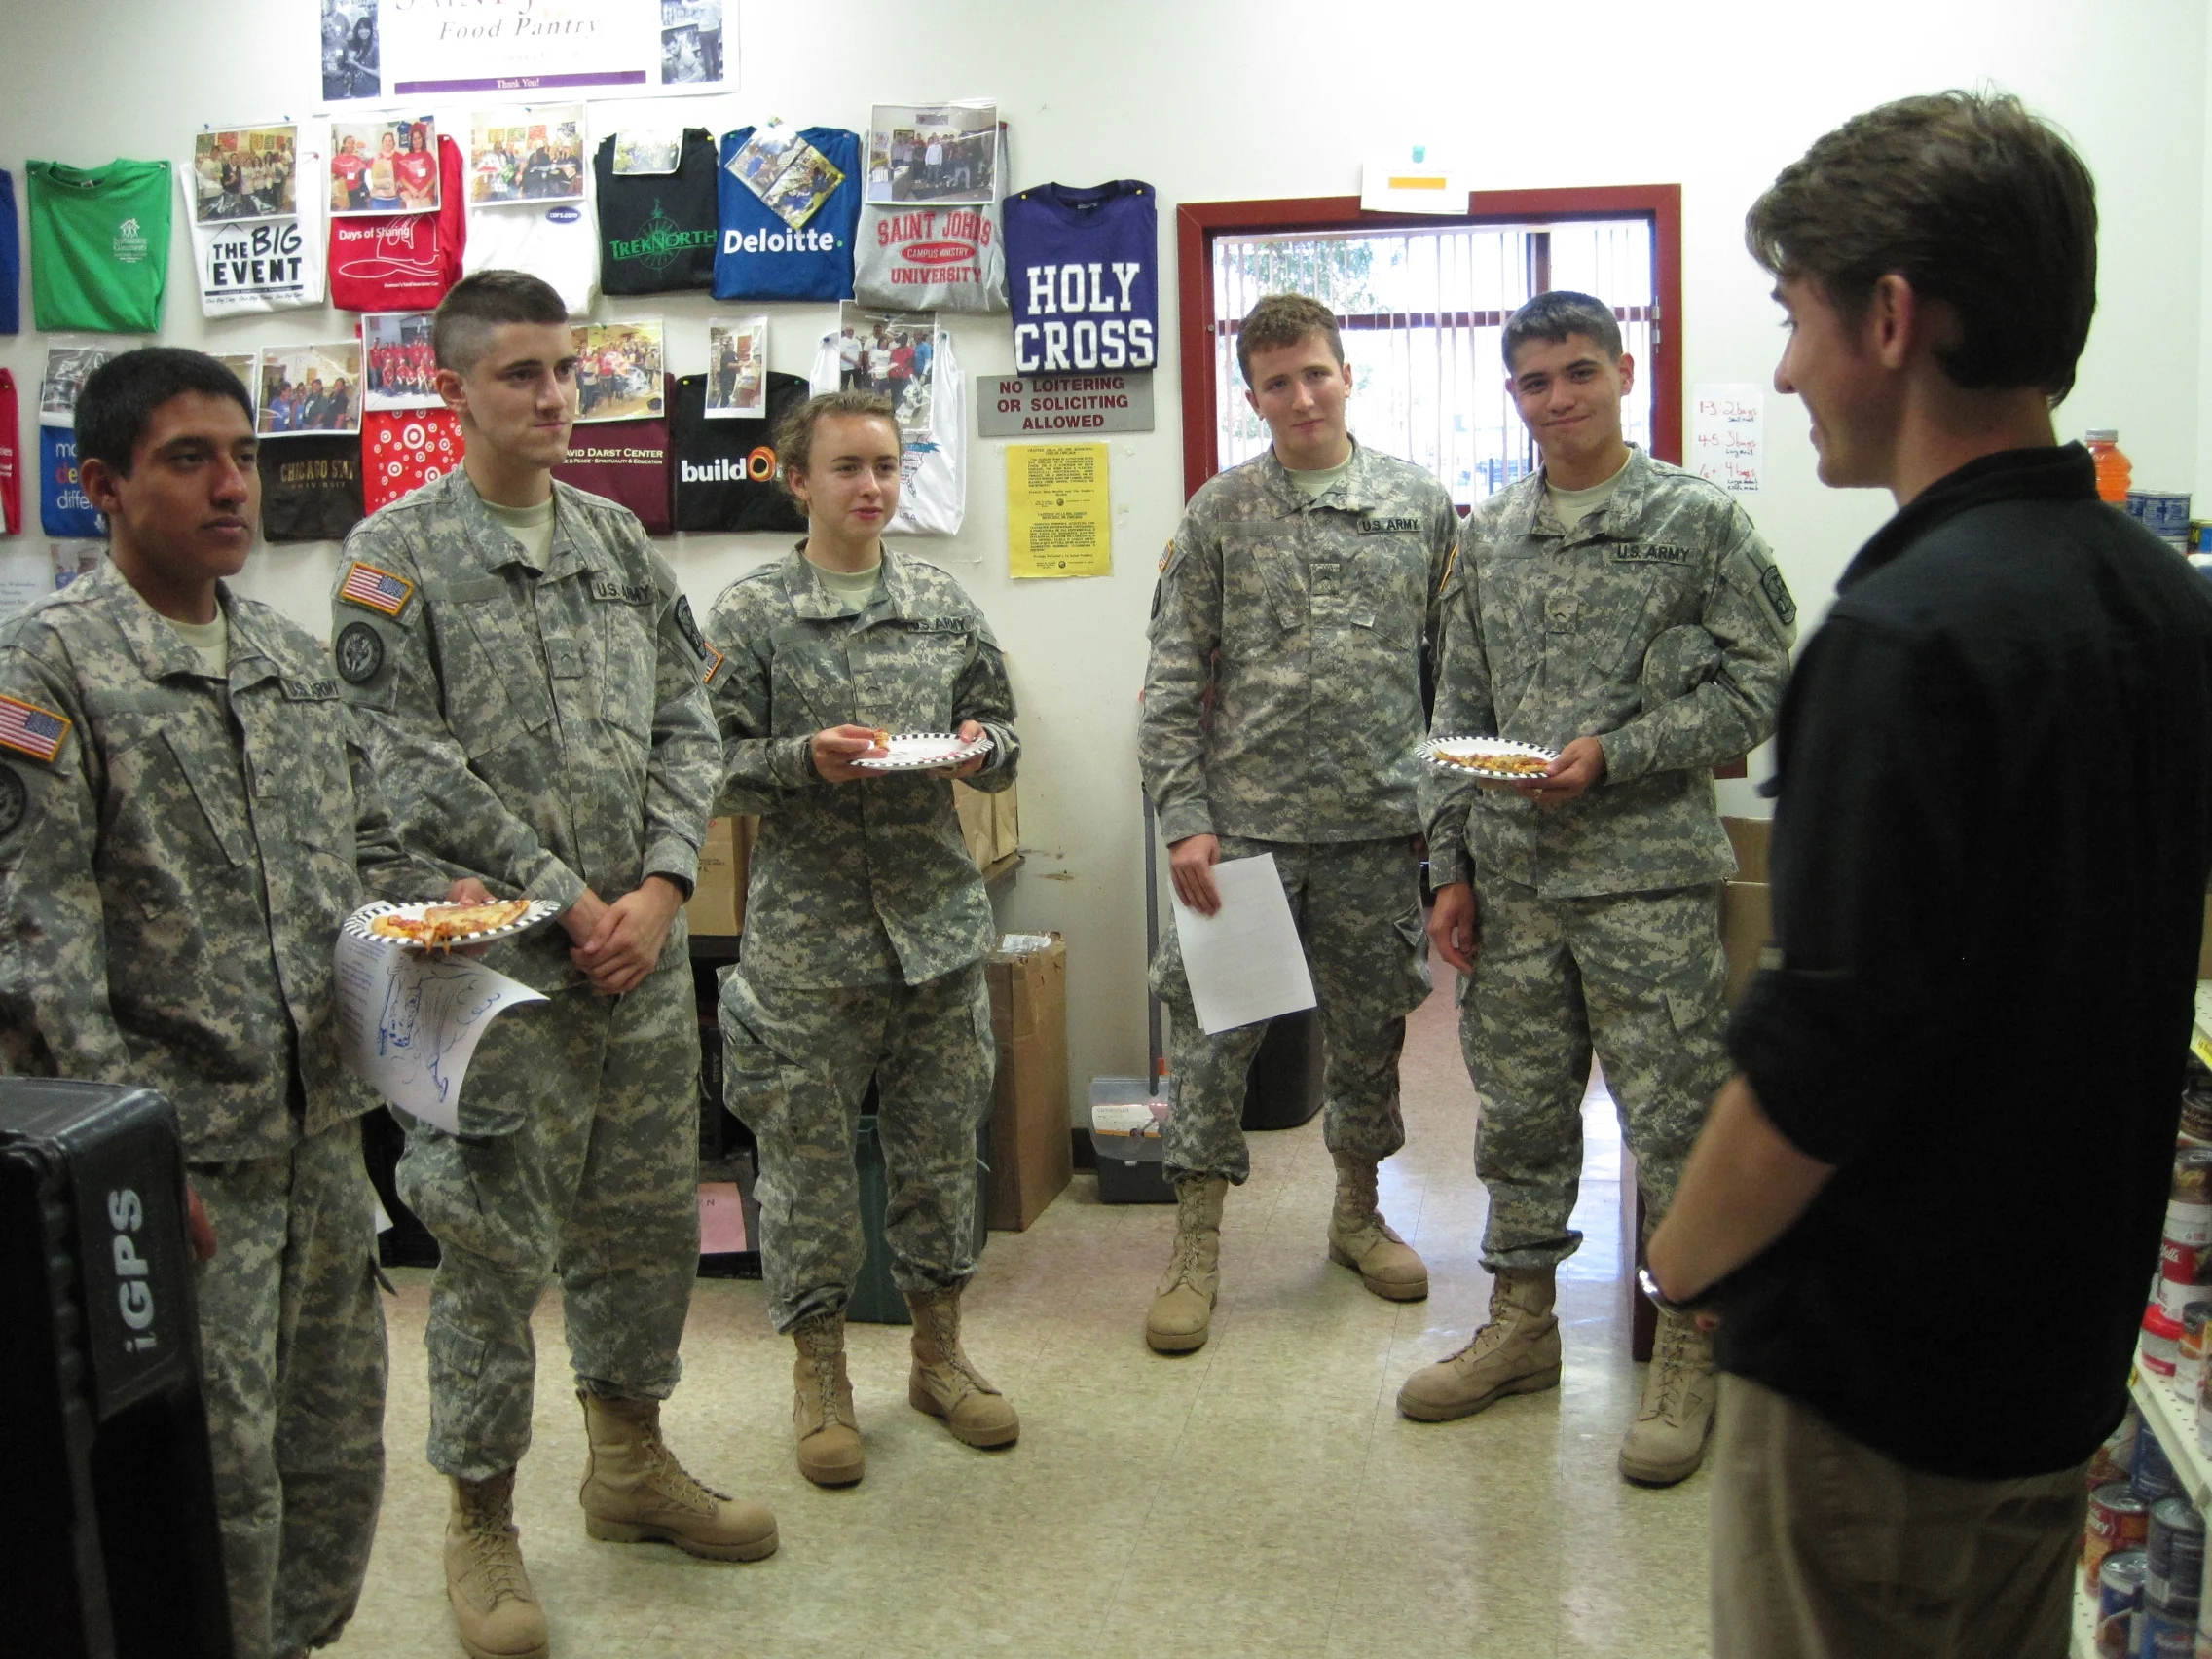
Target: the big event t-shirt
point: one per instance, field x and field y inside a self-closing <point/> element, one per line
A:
<point x="725" y="467"/>
<point x="627" y="462"/>
<point x="1083" y="276"/>
<point x="556" y="240"/>
<point x="657" y="231"/>
<point x="400" y="262"/>
<point x="100" y="245"/>
<point x="762" y="258"/>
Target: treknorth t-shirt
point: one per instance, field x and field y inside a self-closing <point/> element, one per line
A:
<point x="552" y="240"/>
<point x="100" y="245"/>
<point x="627" y="462"/>
<point x="403" y="450"/>
<point x="1083" y="277"/>
<point x="762" y="258"/>
<point x="725" y="467"/>
<point x="311" y="488"/>
<point x="64" y="509"/>
<point x="260" y="265"/>
<point x="917" y="256"/>
<point x="400" y="262"/>
<point x="657" y="231"/>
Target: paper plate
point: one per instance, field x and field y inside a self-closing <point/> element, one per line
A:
<point x="1464" y="755"/>
<point x="925" y="751"/>
<point x="358" y="924"/>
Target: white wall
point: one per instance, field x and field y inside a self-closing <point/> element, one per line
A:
<point x="1244" y="99"/>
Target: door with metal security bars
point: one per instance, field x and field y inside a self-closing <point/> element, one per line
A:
<point x="1422" y="303"/>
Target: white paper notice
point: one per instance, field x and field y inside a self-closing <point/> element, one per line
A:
<point x="1244" y="961"/>
<point x="411" y="1021"/>
<point x="1728" y="435"/>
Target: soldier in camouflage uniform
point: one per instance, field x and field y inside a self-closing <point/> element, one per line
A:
<point x="1281" y="708"/>
<point x="866" y="923"/>
<point x="186" y="816"/>
<point x="528" y="674"/>
<point x="1627" y="613"/>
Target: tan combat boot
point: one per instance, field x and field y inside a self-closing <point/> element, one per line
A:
<point x="822" y="1404"/>
<point x="946" y="1384"/>
<point x="1667" y="1441"/>
<point x="1516" y="1353"/>
<point x="1361" y="1238"/>
<point x="635" y="1490"/>
<point x="492" y="1603"/>
<point x="1182" y="1308"/>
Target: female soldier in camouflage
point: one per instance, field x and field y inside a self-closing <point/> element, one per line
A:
<point x="866" y="923"/>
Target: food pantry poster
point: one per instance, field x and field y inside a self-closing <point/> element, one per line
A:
<point x="380" y="51"/>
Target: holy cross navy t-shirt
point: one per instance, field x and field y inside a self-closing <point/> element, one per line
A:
<point x="1083" y="277"/>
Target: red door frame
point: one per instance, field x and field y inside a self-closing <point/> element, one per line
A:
<point x="1197" y="223"/>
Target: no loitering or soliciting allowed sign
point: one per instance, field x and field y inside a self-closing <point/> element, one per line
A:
<point x="1024" y="406"/>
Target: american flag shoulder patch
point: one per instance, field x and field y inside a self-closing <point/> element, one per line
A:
<point x="378" y="590"/>
<point x="33" y="730"/>
<point x="714" y="661"/>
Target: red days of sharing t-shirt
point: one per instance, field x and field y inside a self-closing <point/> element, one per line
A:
<point x="404" y="449"/>
<point x="402" y="262"/>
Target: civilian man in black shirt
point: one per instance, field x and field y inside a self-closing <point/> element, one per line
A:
<point x="1934" y="1188"/>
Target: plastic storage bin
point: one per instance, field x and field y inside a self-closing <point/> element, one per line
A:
<point x="1131" y="1167"/>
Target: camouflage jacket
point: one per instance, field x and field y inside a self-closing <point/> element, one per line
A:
<point x="1282" y="701"/>
<point x="863" y="883"/>
<point x="543" y="731"/>
<point x="1660" y="626"/>
<point x="173" y="877"/>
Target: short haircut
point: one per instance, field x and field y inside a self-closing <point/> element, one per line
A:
<point x="1558" y="316"/>
<point x="1284" y="319"/>
<point x="1972" y="200"/>
<point x="478" y="305"/>
<point x="117" y="402"/>
<point x="794" y="434"/>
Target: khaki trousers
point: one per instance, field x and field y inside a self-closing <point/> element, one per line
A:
<point x="1824" y="1548"/>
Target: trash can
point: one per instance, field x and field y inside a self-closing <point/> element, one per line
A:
<point x="1283" y="1088"/>
<point x="876" y="1298"/>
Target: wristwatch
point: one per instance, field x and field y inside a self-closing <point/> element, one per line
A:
<point x="1698" y="1303"/>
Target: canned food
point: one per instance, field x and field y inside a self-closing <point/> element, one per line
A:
<point x="2175" y="1553"/>
<point x="2196" y="1116"/>
<point x="2185" y="1277"/>
<point x="2163" y="512"/>
<point x="2193" y="1176"/>
<point x="2158" y="1351"/>
<point x="2119" y="1520"/>
<point x="2166" y="1634"/>
<point x="2120" y="1592"/>
<point x="2154" y="1477"/>
<point x="2187" y="1223"/>
<point x="2188" y="1360"/>
<point x="2115" y="1459"/>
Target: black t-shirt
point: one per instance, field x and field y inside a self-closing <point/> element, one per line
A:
<point x="657" y="231"/>
<point x="725" y="469"/>
<point x="310" y="487"/>
<point x="1988" y="866"/>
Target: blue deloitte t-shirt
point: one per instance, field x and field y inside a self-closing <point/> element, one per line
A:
<point x="760" y="257"/>
<point x="1083" y="277"/>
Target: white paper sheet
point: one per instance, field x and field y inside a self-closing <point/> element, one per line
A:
<point x="1728" y="435"/>
<point x="411" y="1021"/>
<point x="1245" y="962"/>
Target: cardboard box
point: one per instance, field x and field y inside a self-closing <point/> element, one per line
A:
<point x="1006" y="816"/>
<point x="1030" y="1154"/>
<point x="717" y="905"/>
<point x="979" y="823"/>
<point x="1745" y="917"/>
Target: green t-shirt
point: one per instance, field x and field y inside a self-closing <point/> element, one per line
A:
<point x="100" y="245"/>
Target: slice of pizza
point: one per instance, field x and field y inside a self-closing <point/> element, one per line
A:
<point x="442" y="926"/>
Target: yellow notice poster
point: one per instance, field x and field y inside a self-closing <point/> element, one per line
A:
<point x="1056" y="510"/>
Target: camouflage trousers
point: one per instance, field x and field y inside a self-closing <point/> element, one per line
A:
<point x="1636" y="977"/>
<point x="600" y="1185"/>
<point x="1357" y="906"/>
<point x="797" y="1069"/>
<point x="292" y="1363"/>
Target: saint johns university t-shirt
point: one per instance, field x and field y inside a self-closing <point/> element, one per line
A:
<point x="100" y="245"/>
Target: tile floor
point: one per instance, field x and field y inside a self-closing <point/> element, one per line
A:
<point x="1259" y="1498"/>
